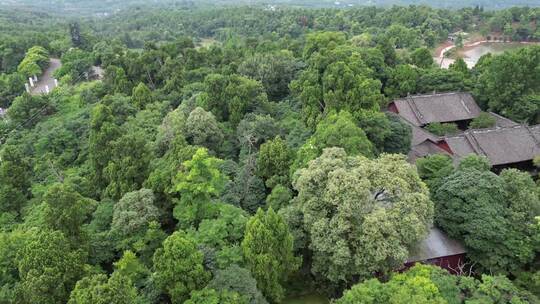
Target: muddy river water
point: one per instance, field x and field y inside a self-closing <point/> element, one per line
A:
<point x="472" y="53"/>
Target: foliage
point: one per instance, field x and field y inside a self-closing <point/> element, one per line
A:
<point x="235" y="278"/>
<point x="399" y="137"/>
<point x="430" y="284"/>
<point x="247" y="190"/>
<point x="26" y="110"/>
<point x="34" y="62"/>
<point x="128" y="164"/>
<point x="178" y="267"/>
<point x="66" y="210"/>
<point x="222" y="235"/>
<point x="348" y="203"/>
<point x="433" y="168"/>
<point x="48" y="268"/>
<point x="15" y="174"/>
<point x="484" y="120"/>
<point x="202" y="129"/>
<point x="211" y="296"/>
<point x="268" y="250"/>
<point x="76" y="63"/>
<point x="273" y="162"/>
<point x="141" y="96"/>
<point x="336" y="130"/>
<point x="279" y="197"/>
<point x="422" y="58"/>
<point x="198" y="124"/>
<point x="274" y="71"/>
<point x="198" y="184"/>
<point x="229" y="98"/>
<point x="336" y="79"/>
<point x="132" y="216"/>
<point x="442" y="129"/>
<point x="490" y="213"/>
<point x="509" y="84"/>
<point x="98" y="289"/>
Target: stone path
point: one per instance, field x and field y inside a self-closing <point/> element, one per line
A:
<point x="47" y="78"/>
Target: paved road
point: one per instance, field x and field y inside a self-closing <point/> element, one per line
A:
<point x="47" y="78"/>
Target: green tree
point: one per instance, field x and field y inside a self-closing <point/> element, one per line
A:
<point x="11" y="86"/>
<point x="273" y="162"/>
<point x="229" y="98"/>
<point x="442" y="129"/>
<point x="116" y="81"/>
<point x="410" y="287"/>
<point x="10" y="244"/>
<point x="141" y="96"/>
<point x="508" y="84"/>
<point x="15" y="178"/>
<point x="76" y="63"/>
<point x="34" y="62"/>
<point x="222" y="235"/>
<point x="97" y="289"/>
<point x="490" y="213"/>
<point x="433" y="168"/>
<point x="27" y="110"/>
<point x="48" y="268"/>
<point x="402" y="81"/>
<point x="431" y="284"/>
<point x="132" y="216"/>
<point x="474" y="162"/>
<point x="399" y="136"/>
<point x="460" y="66"/>
<point x="178" y="268"/>
<point x="360" y="215"/>
<point x="279" y="197"/>
<point x="247" y="190"/>
<point x="129" y="266"/>
<point x="422" y="58"/>
<point x="484" y="120"/>
<point x="336" y="130"/>
<point x="211" y="296"/>
<point x="268" y="250"/>
<point x="202" y="129"/>
<point x="499" y="289"/>
<point x="199" y="184"/>
<point x="103" y="132"/>
<point x="440" y="80"/>
<point x="274" y="71"/>
<point x="337" y="78"/>
<point x="238" y="279"/>
<point x="254" y="130"/>
<point x="128" y="164"/>
<point x="66" y="210"/>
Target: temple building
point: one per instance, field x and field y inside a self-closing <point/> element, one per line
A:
<point x="438" y="249"/>
<point x="507" y="144"/>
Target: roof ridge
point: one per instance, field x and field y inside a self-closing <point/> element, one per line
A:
<point x="415" y="110"/>
<point x="474" y="143"/>
<point x="436" y="94"/>
<point x="536" y="140"/>
<point x="463" y="104"/>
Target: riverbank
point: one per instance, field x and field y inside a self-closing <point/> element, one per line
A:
<point x="473" y="50"/>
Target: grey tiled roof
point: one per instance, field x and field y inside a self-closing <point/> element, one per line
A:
<point x="499" y="145"/>
<point x="437" y="244"/>
<point x="421" y="110"/>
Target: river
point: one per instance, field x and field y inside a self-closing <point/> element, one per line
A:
<point x="472" y="53"/>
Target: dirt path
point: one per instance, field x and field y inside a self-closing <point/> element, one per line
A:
<point x="47" y="78"/>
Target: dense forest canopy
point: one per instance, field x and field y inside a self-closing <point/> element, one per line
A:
<point x="197" y="153"/>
